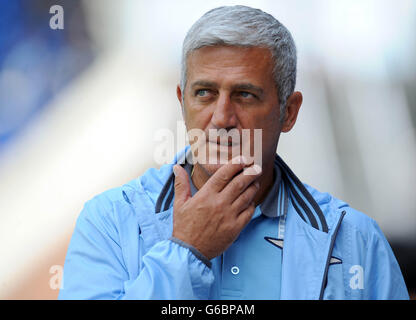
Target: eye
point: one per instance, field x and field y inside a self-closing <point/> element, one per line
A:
<point x="201" y="92"/>
<point x="246" y="94"/>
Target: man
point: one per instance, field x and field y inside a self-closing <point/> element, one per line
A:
<point x="199" y="229"/>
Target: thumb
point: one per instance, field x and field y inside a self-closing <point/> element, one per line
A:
<point x="182" y="186"/>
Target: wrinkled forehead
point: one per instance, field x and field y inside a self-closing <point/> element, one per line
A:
<point x="229" y="62"/>
<point x="219" y="51"/>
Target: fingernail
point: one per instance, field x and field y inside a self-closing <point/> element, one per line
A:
<point x="175" y="172"/>
<point x="238" y="160"/>
<point x="257" y="168"/>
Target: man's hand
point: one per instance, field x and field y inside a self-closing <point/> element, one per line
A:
<point x="212" y="219"/>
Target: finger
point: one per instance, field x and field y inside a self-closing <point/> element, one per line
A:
<point x="223" y="175"/>
<point x="182" y="186"/>
<point x="240" y="182"/>
<point x="245" y="198"/>
<point x="254" y="170"/>
<point x="245" y="216"/>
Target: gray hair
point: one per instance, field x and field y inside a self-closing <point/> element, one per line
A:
<point x="246" y="27"/>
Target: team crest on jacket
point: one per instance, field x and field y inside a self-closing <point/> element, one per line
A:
<point x="279" y="243"/>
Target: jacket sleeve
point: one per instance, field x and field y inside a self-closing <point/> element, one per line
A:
<point x="383" y="278"/>
<point x="95" y="267"/>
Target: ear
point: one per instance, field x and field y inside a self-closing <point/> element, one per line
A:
<point x="179" y="93"/>
<point x="293" y="104"/>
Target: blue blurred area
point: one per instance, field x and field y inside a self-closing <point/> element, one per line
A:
<point x="36" y="62"/>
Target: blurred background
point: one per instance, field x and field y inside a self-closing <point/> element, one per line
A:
<point x="80" y="106"/>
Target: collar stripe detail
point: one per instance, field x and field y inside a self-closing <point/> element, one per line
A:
<point x="279" y="200"/>
<point x="294" y="204"/>
<point x="170" y="196"/>
<point x="286" y="198"/>
<point x="301" y="202"/>
<point x="310" y="201"/>
<point x="305" y="199"/>
<point x="282" y="199"/>
<point x="162" y="196"/>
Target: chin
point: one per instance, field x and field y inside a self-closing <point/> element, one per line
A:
<point x="213" y="163"/>
<point x="215" y="156"/>
<point x="210" y="169"/>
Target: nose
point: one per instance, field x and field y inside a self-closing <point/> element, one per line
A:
<point x="224" y="115"/>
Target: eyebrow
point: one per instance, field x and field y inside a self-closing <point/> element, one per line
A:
<point x="204" y="83"/>
<point x="239" y="86"/>
<point x="248" y="86"/>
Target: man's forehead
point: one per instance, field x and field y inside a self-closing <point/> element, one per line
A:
<point x="245" y="68"/>
<point x="229" y="58"/>
<point x="224" y="49"/>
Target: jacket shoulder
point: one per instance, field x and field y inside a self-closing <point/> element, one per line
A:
<point x="113" y="200"/>
<point x="355" y="219"/>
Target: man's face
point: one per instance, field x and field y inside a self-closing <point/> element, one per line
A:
<point x="232" y="88"/>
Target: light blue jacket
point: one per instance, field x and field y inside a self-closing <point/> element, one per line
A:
<point x="120" y="249"/>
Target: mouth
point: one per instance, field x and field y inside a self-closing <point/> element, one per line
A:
<point x="226" y="143"/>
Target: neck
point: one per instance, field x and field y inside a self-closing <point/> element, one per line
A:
<point x="266" y="181"/>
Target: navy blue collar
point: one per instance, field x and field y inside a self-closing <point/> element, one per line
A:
<point x="287" y="187"/>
